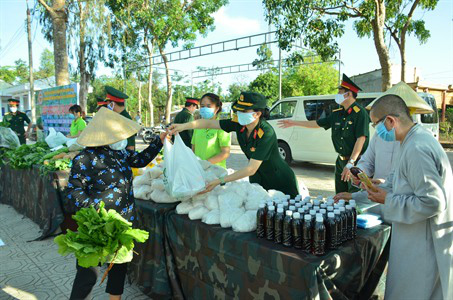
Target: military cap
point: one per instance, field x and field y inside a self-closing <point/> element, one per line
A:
<point x="250" y="100"/>
<point x="14" y="101"/>
<point x="347" y="83"/>
<point x="191" y="100"/>
<point x="114" y="95"/>
<point x="101" y="101"/>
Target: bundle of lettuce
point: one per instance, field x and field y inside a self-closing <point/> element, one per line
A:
<point x="102" y="235"/>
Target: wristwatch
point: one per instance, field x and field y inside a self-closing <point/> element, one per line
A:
<point x="222" y="181"/>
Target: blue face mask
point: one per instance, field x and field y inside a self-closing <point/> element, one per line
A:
<point x="245" y="118"/>
<point x="207" y="112"/>
<point x="383" y="133"/>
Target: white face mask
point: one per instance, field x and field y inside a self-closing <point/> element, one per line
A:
<point x="13" y="109"/>
<point x="340" y="98"/>
<point x="121" y="145"/>
<point x="111" y="105"/>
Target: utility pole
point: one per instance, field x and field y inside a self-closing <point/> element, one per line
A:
<point x="31" y="96"/>
<point x="279" y="73"/>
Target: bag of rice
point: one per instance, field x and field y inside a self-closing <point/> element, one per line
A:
<point x="183" y="208"/>
<point x="158" y="184"/>
<point x="246" y="223"/>
<point x="228" y="216"/>
<point x="211" y="202"/>
<point x="159" y="196"/>
<point x="198" y="212"/>
<point x="212" y="217"/>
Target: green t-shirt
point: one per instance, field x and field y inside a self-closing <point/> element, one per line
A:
<point x="209" y="142"/>
<point x="77" y="126"/>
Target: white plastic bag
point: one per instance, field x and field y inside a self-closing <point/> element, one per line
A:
<point x="8" y="138"/>
<point x="162" y="197"/>
<point x="183" y="208"/>
<point x="212" y="217"/>
<point x="246" y="223"/>
<point x="211" y="202"/>
<point x="73" y="145"/>
<point x="158" y="184"/>
<point x="142" y="192"/>
<point x="183" y="175"/>
<point x="55" y="139"/>
<point x="228" y="216"/>
<point x="198" y="212"/>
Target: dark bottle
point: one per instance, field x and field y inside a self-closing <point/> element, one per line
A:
<point x="292" y="202"/>
<point x="330" y="209"/>
<point x="316" y="202"/>
<point x="350" y="221"/>
<point x="323" y="206"/>
<point x="331" y="232"/>
<point x="323" y="212"/>
<point x="316" y="207"/>
<point x="292" y="208"/>
<point x="301" y="211"/>
<point x="313" y="217"/>
<point x="297" y="231"/>
<point x="261" y="221"/>
<point x="354" y="212"/>
<point x="319" y="237"/>
<point x="341" y="202"/>
<point x="339" y="224"/>
<point x="344" y="224"/>
<point x="307" y="234"/>
<point x="310" y="205"/>
<point x="298" y="205"/>
<point x="278" y="226"/>
<point x="287" y="229"/>
<point x="270" y="223"/>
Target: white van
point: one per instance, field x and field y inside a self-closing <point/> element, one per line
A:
<point x="315" y="145"/>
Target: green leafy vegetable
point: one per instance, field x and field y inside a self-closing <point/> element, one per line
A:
<point x="55" y="165"/>
<point x="101" y="235"/>
<point x="25" y="156"/>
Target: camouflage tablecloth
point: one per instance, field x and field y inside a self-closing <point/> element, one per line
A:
<point x="149" y="268"/>
<point x="216" y="263"/>
<point x="34" y="195"/>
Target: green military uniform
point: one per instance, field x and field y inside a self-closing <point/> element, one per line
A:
<point x="261" y="144"/>
<point x="184" y="116"/>
<point x="116" y="96"/>
<point x="16" y="122"/>
<point x="347" y="126"/>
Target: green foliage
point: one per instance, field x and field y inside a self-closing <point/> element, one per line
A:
<point x="46" y="65"/>
<point x="101" y="235"/>
<point x="234" y="91"/>
<point x="264" y="60"/>
<point x="7" y="74"/>
<point x="266" y="84"/>
<point x="25" y="156"/>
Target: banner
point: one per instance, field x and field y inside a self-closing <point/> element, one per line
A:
<point x="53" y="106"/>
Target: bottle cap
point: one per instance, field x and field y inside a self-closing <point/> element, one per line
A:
<point x="298" y="197"/>
<point x="292" y="207"/>
<point x="337" y="212"/>
<point x="342" y="209"/>
<point x="298" y="205"/>
<point x="292" y="201"/>
<point x="316" y="202"/>
<point x="287" y="197"/>
<point x="330" y="208"/>
<point x="272" y="207"/>
<point x="319" y="219"/>
<point x="323" y="205"/>
<point x="336" y="206"/>
<point x="262" y="205"/>
<point x="310" y="204"/>
<point x="352" y="202"/>
<point x="331" y="215"/>
<point x="322" y="210"/>
<point x="307" y="217"/>
<point x="307" y="198"/>
<point x="280" y="210"/>
<point x="296" y="215"/>
<point x="280" y="205"/>
<point x="270" y="203"/>
<point x="289" y="212"/>
<point x="318" y="215"/>
<point x="312" y="211"/>
<point x="341" y="201"/>
<point x="348" y="207"/>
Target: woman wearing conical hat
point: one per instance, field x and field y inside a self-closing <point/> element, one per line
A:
<point x="102" y="172"/>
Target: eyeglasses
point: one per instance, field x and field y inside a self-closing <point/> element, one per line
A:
<point x="383" y="119"/>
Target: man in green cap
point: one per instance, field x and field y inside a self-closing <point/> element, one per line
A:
<point x="185" y="116"/>
<point x="258" y="141"/>
<point x="350" y="132"/>
<point x="16" y="120"/>
<point x="115" y="101"/>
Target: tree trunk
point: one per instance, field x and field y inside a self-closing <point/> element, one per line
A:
<point x="403" y="55"/>
<point x="169" y="105"/>
<point x="59" y="43"/>
<point x="379" y="42"/>
<point x="139" y="97"/>
<point x="84" y="75"/>
<point x="150" y="51"/>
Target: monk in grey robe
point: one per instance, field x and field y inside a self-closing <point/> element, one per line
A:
<point x="417" y="198"/>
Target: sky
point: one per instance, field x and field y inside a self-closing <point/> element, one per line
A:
<point x="433" y="60"/>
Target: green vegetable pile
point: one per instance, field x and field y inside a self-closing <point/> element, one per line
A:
<point x="101" y="236"/>
<point x="55" y="165"/>
<point x="25" y="156"/>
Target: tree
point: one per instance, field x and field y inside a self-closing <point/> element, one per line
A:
<point x="264" y="60"/>
<point x="21" y="71"/>
<point x="7" y="74"/>
<point x="399" y="23"/>
<point x="266" y="84"/>
<point x="57" y="11"/>
<point x="234" y="91"/>
<point x="46" y="65"/>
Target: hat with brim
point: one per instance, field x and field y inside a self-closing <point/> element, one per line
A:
<point x="107" y="127"/>
<point x="14" y="101"/>
<point x="414" y="102"/>
<point x="112" y="94"/>
<point x="250" y="100"/>
<point x="190" y="100"/>
<point x="101" y="101"/>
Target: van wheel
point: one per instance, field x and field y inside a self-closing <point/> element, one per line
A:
<point x="285" y="152"/>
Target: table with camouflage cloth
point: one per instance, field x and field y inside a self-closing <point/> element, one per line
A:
<point x="34" y="195"/>
<point x="211" y="262"/>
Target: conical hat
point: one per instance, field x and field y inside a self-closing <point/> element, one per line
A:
<point x="107" y="127"/>
<point x="413" y="101"/>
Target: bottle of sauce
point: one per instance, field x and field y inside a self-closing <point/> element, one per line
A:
<point x="278" y="226"/>
<point x="350" y="216"/>
<point x="344" y="224"/>
<point x="339" y="224"/>
<point x="354" y="212"/>
<point x="261" y="221"/>
<point x="297" y="231"/>
<point x="331" y="232"/>
<point x="270" y="216"/>
<point x="287" y="229"/>
<point x="319" y="237"/>
<point x="307" y="234"/>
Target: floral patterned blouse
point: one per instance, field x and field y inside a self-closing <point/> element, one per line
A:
<point x="104" y="174"/>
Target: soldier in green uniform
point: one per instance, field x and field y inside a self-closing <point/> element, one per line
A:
<point x="16" y="120"/>
<point x="258" y="142"/>
<point x="350" y="132"/>
<point x="115" y="101"/>
<point x="186" y="116"/>
<point x="101" y="102"/>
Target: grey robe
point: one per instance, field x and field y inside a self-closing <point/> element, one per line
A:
<point x="419" y="205"/>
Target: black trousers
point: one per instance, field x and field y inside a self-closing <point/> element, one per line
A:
<point x="86" y="279"/>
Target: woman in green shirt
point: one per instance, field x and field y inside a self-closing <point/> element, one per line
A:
<point x="258" y="141"/>
<point x="78" y="124"/>
<point x="208" y="144"/>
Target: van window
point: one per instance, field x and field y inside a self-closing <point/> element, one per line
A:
<point x="430" y="118"/>
<point x="283" y="110"/>
<point x="316" y="109"/>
